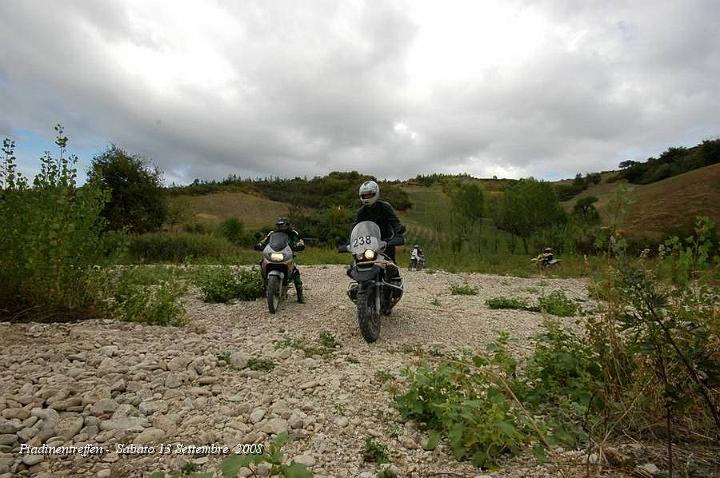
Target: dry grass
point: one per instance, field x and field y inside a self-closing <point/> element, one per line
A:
<point x="253" y="211"/>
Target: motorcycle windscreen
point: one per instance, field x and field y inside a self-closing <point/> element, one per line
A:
<point x="365" y="235"/>
<point x="278" y="241"/>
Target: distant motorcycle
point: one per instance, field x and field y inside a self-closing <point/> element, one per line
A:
<point x="277" y="268"/>
<point x="545" y="261"/>
<point x="417" y="263"/>
<point x="377" y="285"/>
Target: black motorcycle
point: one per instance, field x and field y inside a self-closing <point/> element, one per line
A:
<point x="377" y="285"/>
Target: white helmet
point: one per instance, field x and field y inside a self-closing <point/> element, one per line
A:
<point x="369" y="192"/>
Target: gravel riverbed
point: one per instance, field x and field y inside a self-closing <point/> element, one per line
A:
<point x="104" y="382"/>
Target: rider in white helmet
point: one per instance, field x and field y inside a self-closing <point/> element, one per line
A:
<point x="379" y="212"/>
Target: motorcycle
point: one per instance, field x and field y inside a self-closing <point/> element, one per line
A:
<point x="545" y="262"/>
<point x="417" y="263"/>
<point x="277" y="268"/>
<point x="377" y="285"/>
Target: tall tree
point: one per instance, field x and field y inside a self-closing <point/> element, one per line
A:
<point x="137" y="201"/>
<point x="528" y="206"/>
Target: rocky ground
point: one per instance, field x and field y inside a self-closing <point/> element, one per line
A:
<point x="105" y="383"/>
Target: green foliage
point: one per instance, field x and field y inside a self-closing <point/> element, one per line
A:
<point x="466" y="400"/>
<point x="527" y="207"/>
<point x="375" y="452"/>
<point x="672" y="162"/>
<point x="162" y="247"/>
<point x="323" y="225"/>
<point x="510" y="303"/>
<point x="557" y="303"/>
<point x="689" y="257"/>
<point x="263" y="364"/>
<point x="224" y="283"/>
<point x="144" y="294"/>
<point x="234" y="231"/>
<point x="585" y="212"/>
<point x="464" y="289"/>
<point x="137" y="202"/>
<point x="326" y="345"/>
<point x="51" y="235"/>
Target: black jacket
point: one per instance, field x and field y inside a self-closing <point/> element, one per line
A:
<point x="382" y="214"/>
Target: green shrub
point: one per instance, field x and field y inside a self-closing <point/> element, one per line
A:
<point x="149" y="295"/>
<point x="327" y="344"/>
<point x="164" y="247"/>
<point x="374" y="451"/>
<point x="509" y="303"/>
<point x="464" y="289"/>
<point x="234" y="231"/>
<point x="224" y="283"/>
<point x="557" y="303"/>
<point x="263" y="364"/>
<point x="51" y="235"/>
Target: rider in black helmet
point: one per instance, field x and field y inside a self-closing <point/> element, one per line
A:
<point x="294" y="241"/>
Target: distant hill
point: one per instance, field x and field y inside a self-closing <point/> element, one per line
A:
<point x="665" y="206"/>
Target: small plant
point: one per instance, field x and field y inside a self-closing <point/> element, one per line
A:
<point x="188" y="468"/>
<point x="383" y="376"/>
<point x="435" y="302"/>
<point x="557" y="303"/>
<point x="328" y="340"/>
<point x="262" y="364"/>
<point x="509" y="303"/>
<point x="375" y="452"/>
<point x="223" y="357"/>
<point x="465" y="289"/>
<point x="327" y="344"/>
<point x="221" y="284"/>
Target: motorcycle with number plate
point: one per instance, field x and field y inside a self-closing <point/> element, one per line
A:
<point x="377" y="285"/>
<point x="277" y="269"/>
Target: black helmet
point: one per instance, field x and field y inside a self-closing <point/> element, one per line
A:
<point x="282" y="224"/>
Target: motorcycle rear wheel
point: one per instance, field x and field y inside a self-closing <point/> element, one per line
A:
<point x="368" y="315"/>
<point x="273" y="293"/>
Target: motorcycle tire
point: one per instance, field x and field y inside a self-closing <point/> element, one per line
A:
<point x="368" y="315"/>
<point x="273" y="293"/>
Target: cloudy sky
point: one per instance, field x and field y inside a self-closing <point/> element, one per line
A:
<point x="511" y="88"/>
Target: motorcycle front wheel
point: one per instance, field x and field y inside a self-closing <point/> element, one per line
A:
<point x="368" y="315"/>
<point x="273" y="293"/>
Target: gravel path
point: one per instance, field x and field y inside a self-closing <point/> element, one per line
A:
<point x="106" y="383"/>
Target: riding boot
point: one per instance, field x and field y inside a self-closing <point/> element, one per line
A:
<point x="300" y="296"/>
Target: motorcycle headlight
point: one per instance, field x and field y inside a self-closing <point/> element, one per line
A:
<point x="369" y="254"/>
<point x="277" y="257"/>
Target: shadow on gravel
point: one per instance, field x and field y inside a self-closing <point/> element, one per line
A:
<point x="33" y="315"/>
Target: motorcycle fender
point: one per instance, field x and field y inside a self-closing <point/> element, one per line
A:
<point x="365" y="275"/>
<point x="278" y="273"/>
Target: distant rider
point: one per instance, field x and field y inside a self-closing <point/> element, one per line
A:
<point x="295" y="242"/>
<point x="379" y="212"/>
<point x="416" y="255"/>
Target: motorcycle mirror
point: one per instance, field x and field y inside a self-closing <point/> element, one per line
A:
<point x="342" y="248"/>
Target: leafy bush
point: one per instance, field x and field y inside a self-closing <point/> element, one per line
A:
<point x="137" y="201"/>
<point x="465" y="289"/>
<point x="557" y="303"/>
<point x="225" y="283"/>
<point x="234" y="231"/>
<point x="52" y="235"/>
<point x="327" y="344"/>
<point x="149" y="295"/>
<point x="162" y="247"/>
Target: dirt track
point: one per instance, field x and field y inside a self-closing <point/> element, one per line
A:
<point x="112" y="382"/>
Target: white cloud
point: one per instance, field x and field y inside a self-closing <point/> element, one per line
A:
<point x="510" y="88"/>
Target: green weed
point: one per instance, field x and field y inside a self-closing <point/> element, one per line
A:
<point x="465" y="289"/>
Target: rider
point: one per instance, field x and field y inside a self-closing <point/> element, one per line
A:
<point x="379" y="212"/>
<point x="547" y="255"/>
<point x="294" y="241"/>
<point x="416" y="254"/>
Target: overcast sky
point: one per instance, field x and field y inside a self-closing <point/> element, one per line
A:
<point x="511" y="88"/>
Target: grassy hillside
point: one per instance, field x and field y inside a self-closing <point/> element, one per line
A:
<point x="254" y="211"/>
<point x="667" y="205"/>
